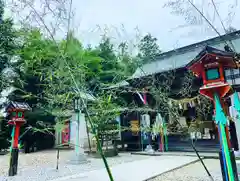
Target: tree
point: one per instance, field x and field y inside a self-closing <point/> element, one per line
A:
<point x="111" y="67"/>
<point x="7" y="46"/>
<point x="148" y="48"/>
<point x="34" y="59"/>
<point x="202" y="14"/>
<point x="7" y="50"/>
<point x="104" y="112"/>
<point x="230" y="29"/>
<point x="70" y="64"/>
<point x="128" y="62"/>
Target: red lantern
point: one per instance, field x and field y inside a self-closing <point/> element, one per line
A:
<point x="210" y="65"/>
<point x="16" y="112"/>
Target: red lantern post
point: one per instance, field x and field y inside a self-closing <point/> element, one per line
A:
<point x="16" y="112"/>
<point x="210" y="65"/>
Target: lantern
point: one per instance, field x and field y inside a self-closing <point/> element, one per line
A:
<point x="16" y="112"/>
<point x="77" y="104"/>
<point x="210" y="65"/>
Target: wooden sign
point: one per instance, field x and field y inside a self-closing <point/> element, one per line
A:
<point x="134" y="125"/>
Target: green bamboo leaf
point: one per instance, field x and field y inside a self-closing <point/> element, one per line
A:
<point x="109" y="98"/>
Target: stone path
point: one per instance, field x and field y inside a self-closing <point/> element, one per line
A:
<point x="193" y="172"/>
<point x="134" y="171"/>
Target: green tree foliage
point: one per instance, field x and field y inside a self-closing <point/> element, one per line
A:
<point x="148" y="49"/>
<point x="84" y="64"/>
<point x="128" y="62"/>
<point x="7" y="45"/>
<point x="74" y="70"/>
<point x="104" y="112"/>
<point x="44" y="71"/>
<point x="50" y="74"/>
<point x="111" y="67"/>
<point x="29" y="69"/>
<point x="42" y="76"/>
<point x="7" y="48"/>
<point x="33" y="61"/>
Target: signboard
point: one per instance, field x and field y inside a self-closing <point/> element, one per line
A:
<point x="145" y="126"/>
<point x="65" y="134"/>
<point x="134" y="125"/>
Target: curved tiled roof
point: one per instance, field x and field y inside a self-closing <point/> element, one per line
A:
<point x="179" y="58"/>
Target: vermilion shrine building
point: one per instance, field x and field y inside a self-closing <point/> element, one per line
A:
<point x="177" y="60"/>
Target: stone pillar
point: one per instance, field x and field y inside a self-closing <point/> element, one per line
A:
<point x="83" y="137"/>
<point x="57" y="138"/>
<point x="78" y="135"/>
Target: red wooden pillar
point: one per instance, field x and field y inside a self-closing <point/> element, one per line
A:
<point x="16" y="135"/>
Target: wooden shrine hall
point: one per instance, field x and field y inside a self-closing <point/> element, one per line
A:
<point x="166" y="87"/>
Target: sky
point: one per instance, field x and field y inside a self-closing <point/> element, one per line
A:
<point x="125" y="20"/>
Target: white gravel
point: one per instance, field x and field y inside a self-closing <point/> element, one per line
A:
<point x="41" y="166"/>
<point x="193" y="172"/>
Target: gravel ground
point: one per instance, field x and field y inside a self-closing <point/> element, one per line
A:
<point x="41" y="166"/>
<point x="193" y="172"/>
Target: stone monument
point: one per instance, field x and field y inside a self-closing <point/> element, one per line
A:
<point x="78" y="138"/>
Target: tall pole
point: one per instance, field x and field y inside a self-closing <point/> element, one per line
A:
<point x="227" y="158"/>
<point x="165" y="135"/>
<point x="236" y="115"/>
<point x="77" y="130"/>
<point x="14" y="151"/>
<point x="89" y="143"/>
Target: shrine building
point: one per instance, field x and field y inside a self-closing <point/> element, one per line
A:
<point x="167" y="64"/>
